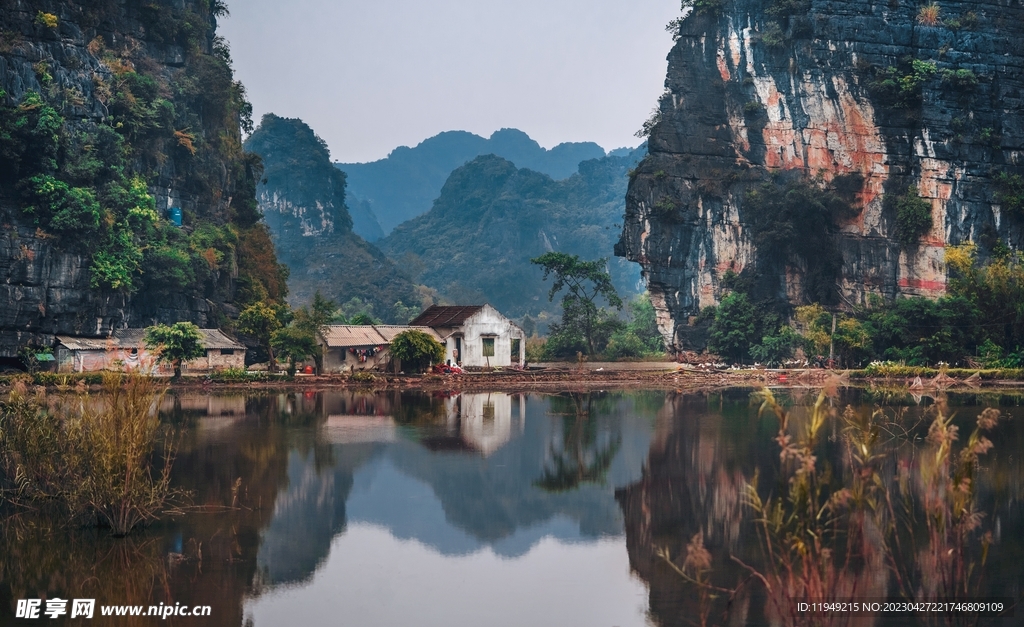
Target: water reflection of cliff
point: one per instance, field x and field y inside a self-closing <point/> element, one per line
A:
<point x="454" y="473"/>
<point x="706" y="448"/>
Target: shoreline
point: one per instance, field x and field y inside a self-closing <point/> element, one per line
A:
<point x="573" y="378"/>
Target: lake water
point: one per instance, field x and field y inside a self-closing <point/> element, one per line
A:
<point x="350" y="508"/>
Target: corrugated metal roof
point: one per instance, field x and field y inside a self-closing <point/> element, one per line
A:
<point x="213" y="339"/>
<point x="440" y="316"/>
<point x="87" y="343"/>
<point x="345" y="335"/>
<point x="389" y="331"/>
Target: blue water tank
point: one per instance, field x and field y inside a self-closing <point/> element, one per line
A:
<point x="174" y="215"/>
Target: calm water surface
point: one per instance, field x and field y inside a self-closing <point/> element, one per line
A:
<point x="345" y="508"/>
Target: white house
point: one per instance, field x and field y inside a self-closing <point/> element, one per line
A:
<point x="476" y="336"/>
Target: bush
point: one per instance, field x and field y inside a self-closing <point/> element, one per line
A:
<point x="625" y="345"/>
<point x="362" y="376"/>
<point x="416" y="350"/>
<point x="913" y="218"/>
<point x="93" y="459"/>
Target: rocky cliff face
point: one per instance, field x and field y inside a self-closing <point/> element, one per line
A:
<point x="121" y="97"/>
<point x="881" y="96"/>
<point x="302" y="198"/>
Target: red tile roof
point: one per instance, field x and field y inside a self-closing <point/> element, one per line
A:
<point x="438" y="316"/>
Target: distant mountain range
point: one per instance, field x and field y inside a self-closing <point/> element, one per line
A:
<point x="302" y="198"/>
<point x="383" y="194"/>
<point x="492" y="217"/>
<point x="472" y="244"/>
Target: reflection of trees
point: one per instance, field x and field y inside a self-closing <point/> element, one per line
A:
<point x="691" y="495"/>
<point x="580" y="457"/>
<point x="40" y="558"/>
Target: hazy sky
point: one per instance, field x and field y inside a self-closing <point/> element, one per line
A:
<point x="375" y="74"/>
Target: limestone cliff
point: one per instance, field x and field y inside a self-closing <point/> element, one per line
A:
<point x="303" y="200"/>
<point x="115" y="112"/>
<point x="895" y="101"/>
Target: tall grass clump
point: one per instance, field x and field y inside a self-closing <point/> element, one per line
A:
<point x="92" y="459"/>
<point x="895" y="517"/>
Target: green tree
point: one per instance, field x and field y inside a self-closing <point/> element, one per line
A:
<point x="734" y="329"/>
<point x="416" y="350"/>
<point x="310" y="321"/>
<point x="175" y="344"/>
<point x="260" y="321"/>
<point x="294" y="343"/>
<point x="585" y="282"/>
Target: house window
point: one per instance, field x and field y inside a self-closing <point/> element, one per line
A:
<point x="227" y="351"/>
<point x="488" y="347"/>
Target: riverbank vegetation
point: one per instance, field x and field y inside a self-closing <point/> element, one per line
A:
<point x="587" y="328"/>
<point x="979" y="323"/>
<point x="100" y="460"/>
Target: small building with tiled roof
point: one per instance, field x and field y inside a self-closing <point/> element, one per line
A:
<point x="126" y="348"/>
<point x="347" y="347"/>
<point x="476" y="336"/>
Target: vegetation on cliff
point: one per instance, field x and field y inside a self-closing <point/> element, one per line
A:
<point x="979" y="323"/>
<point x="85" y="146"/>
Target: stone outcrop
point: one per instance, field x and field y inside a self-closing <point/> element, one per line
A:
<point x="757" y="87"/>
<point x="45" y="286"/>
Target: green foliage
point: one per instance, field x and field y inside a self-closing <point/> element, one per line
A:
<point x="260" y="321"/>
<point x="775" y="348"/>
<point x="913" y="218"/>
<point x="734" y="329"/>
<point x="1010" y="192"/>
<point x="960" y="80"/>
<point x="797" y="221"/>
<point x="293" y="343"/>
<point x="175" y="344"/>
<point x="785" y="8"/>
<point x="362" y="376"/>
<point x="703" y="7"/>
<point x="901" y="86"/>
<point x="753" y="108"/>
<point x="62" y="209"/>
<point x="47" y="20"/>
<point x="625" y="345"/>
<point x="585" y="282"/>
<point x="87" y="181"/>
<point x="416" y="350"/>
<point x="920" y="331"/>
<point x="773" y="35"/>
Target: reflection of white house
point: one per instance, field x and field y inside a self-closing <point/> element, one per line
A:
<point x="485" y="420"/>
<point x="353" y="429"/>
<point x="476" y="336"/>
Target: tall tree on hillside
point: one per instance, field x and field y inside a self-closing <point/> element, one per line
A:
<point x="585" y="282"/>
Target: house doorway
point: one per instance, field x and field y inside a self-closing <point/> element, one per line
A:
<point x="458" y="351"/>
